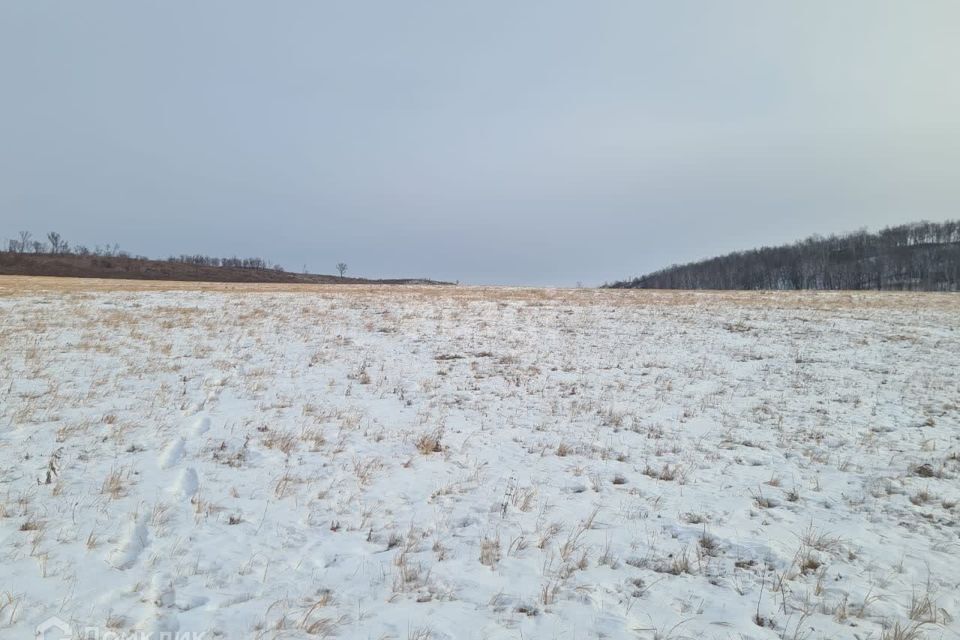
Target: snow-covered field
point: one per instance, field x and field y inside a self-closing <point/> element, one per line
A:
<point x="414" y="463"/>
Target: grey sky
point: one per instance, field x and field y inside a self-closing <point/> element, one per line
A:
<point x="491" y="142"/>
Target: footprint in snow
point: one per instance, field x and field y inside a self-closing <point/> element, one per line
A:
<point x="201" y="426"/>
<point x="172" y="453"/>
<point x="162" y="592"/>
<point x="161" y="624"/>
<point x="134" y="541"/>
<point x="191" y="602"/>
<point x="161" y="617"/>
<point x="187" y="484"/>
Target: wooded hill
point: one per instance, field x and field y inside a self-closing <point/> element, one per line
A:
<point x="922" y="256"/>
<point x="55" y="257"/>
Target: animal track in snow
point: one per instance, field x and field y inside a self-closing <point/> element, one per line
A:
<point x="186" y="484"/>
<point x="172" y="453"/>
<point x="200" y="426"/>
<point x="128" y="550"/>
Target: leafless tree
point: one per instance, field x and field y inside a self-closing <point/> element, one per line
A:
<point x="38" y="246"/>
<point x="54" y="238"/>
<point x="24" y="241"/>
<point x="341" y="268"/>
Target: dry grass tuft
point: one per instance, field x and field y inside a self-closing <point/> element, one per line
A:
<point x="490" y="551"/>
<point x="115" y="484"/>
<point x="430" y="442"/>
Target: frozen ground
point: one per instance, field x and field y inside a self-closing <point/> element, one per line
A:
<point x="420" y="463"/>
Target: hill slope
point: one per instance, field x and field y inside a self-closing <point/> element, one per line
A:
<point x="922" y="256"/>
<point x="94" y="266"/>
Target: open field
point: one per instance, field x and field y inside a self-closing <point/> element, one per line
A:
<point x="305" y="461"/>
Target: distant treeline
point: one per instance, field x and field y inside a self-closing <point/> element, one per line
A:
<point x="239" y="263"/>
<point x="54" y="256"/>
<point x="923" y="256"/>
<point x="56" y="245"/>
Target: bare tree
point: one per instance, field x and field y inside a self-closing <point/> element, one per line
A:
<point x="38" y="246"/>
<point x="341" y="268"/>
<point x="54" y="239"/>
<point x="24" y="241"/>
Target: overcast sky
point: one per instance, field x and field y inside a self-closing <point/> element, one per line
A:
<point x="490" y="142"/>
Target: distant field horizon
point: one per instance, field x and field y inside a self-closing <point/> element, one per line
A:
<point x="12" y="284"/>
